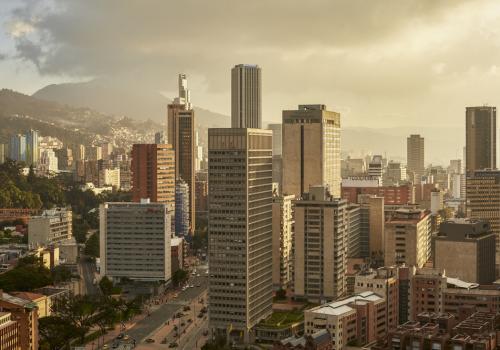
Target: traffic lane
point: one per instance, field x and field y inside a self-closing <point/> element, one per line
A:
<point x="197" y="340"/>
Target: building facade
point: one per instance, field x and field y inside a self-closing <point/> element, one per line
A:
<point x="51" y="227"/>
<point x="320" y="252"/>
<point x="282" y="241"/>
<point x="135" y="241"/>
<point x="480" y="138"/>
<point x="311" y="150"/>
<point x="415" y="153"/>
<point x="239" y="230"/>
<point x="246" y="96"/>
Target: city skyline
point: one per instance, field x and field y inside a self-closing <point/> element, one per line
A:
<point x="359" y="68"/>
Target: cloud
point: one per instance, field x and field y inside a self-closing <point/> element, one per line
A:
<point x="384" y="57"/>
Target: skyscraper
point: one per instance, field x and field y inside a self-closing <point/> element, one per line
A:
<point x="483" y="200"/>
<point x="181" y="208"/>
<point x="282" y="241"/>
<point x="246" y="96"/>
<point x="480" y="138"/>
<point x="153" y="173"/>
<point x="240" y="229"/>
<point x="181" y="135"/>
<point x="415" y="157"/>
<point x="32" y="151"/>
<point x="17" y="148"/>
<point x="311" y="150"/>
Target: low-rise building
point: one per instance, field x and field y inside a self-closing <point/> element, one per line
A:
<point x="360" y="320"/>
<point x="25" y="312"/>
<point x="51" y="227"/>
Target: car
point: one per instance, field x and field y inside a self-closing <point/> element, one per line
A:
<point x="200" y="315"/>
<point x="191" y="286"/>
<point x="183" y="324"/>
<point x="126" y="337"/>
<point x="186" y="308"/>
<point x="198" y="275"/>
<point x="105" y="346"/>
<point x="198" y="285"/>
<point x="172" y="345"/>
<point x="179" y="314"/>
<point x="150" y="340"/>
<point x="189" y="321"/>
<point x="120" y="336"/>
<point x="204" y="309"/>
<point x="205" y="332"/>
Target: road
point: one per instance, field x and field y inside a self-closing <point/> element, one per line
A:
<point x="196" y="338"/>
<point x="87" y="271"/>
<point x="163" y="313"/>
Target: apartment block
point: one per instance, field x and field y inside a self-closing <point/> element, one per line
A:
<point x="408" y="238"/>
<point x="282" y="241"/>
<point x="25" y="313"/>
<point x="360" y="318"/>
<point x="10" y="339"/>
<point x="320" y="246"/>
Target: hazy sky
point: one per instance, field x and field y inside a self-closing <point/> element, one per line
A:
<point x="380" y="63"/>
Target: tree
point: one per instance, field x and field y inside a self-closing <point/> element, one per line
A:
<point x="55" y="333"/>
<point x="179" y="277"/>
<point x="106" y="286"/>
<point x="28" y="275"/>
<point x="92" y="246"/>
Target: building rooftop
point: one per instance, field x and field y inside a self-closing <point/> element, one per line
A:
<point x="342" y="306"/>
<point x="17" y="301"/>
<point x="28" y="295"/>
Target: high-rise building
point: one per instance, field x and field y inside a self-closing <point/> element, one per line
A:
<point x="106" y="150"/>
<point x="3" y="153"/>
<point x="32" y="143"/>
<point x="48" y="164"/>
<point x="17" y="148"/>
<point x="181" y="135"/>
<point x="483" y="200"/>
<point x="415" y="157"/>
<point x="353" y="230"/>
<point x="78" y="152"/>
<point x="160" y="138"/>
<point x="239" y="229"/>
<point x="110" y="177"/>
<point x="282" y="241"/>
<point x="394" y="174"/>
<point x="246" y="96"/>
<point x="135" y="241"/>
<point x="277" y="139"/>
<point x="94" y="153"/>
<point x="153" y="173"/>
<point x="408" y="238"/>
<point x="480" y="138"/>
<point x="320" y="251"/>
<point x="311" y="150"/>
<point x="181" y="208"/>
<point x="465" y="249"/>
<point x="64" y="158"/>
<point x="376" y="167"/>
<point x="372" y="229"/>
<point x="201" y="193"/>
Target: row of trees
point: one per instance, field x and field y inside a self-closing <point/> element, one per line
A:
<point x="74" y="317"/>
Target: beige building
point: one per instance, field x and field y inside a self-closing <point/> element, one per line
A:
<point x="465" y="249"/>
<point x="311" y="150"/>
<point x="320" y="238"/>
<point x="109" y="177"/>
<point x="373" y="226"/>
<point x="483" y="201"/>
<point x="480" y="138"/>
<point x="282" y="241"/>
<point x="415" y="157"/>
<point x="383" y="281"/>
<point x="246" y="96"/>
<point x="408" y="238"/>
<point x="135" y="241"/>
<point x="53" y="226"/>
<point x="240" y="230"/>
<point x="360" y="318"/>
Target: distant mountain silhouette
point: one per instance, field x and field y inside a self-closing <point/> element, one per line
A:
<point x="110" y="98"/>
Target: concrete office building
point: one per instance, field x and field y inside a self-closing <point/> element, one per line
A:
<point x="239" y="230"/>
<point x="282" y="241"/>
<point x="78" y="152"/>
<point x="311" y="150"/>
<point x="153" y="173"/>
<point x="48" y="164"/>
<point x="408" y="238"/>
<point x="376" y="168"/>
<point x="64" y="158"/>
<point x="465" y="248"/>
<point x="109" y="177"/>
<point x="51" y="227"/>
<point x="320" y="251"/>
<point x="360" y="318"/>
<point x="415" y="157"/>
<point x="372" y="229"/>
<point x="135" y="241"/>
<point x="277" y="139"/>
<point x="181" y="135"/>
<point x="483" y="201"/>
<point x="246" y="96"/>
<point x="395" y="173"/>
<point x="480" y="138"/>
<point x="181" y="208"/>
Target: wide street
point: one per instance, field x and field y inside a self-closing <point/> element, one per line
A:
<point x="158" y="321"/>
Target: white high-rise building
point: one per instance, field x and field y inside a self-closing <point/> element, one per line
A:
<point x="184" y="97"/>
<point x="48" y="164"/>
<point x="246" y="96"/>
<point x="135" y="241"/>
